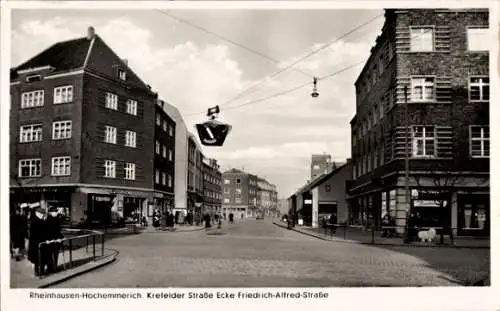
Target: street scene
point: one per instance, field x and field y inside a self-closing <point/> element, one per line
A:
<point x="296" y="148"/>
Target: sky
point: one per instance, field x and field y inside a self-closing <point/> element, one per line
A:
<point x="194" y="70"/>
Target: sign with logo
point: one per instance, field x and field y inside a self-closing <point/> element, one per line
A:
<point x="213" y="133"/>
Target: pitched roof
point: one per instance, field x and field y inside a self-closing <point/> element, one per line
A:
<point x="234" y="171"/>
<point x="63" y="56"/>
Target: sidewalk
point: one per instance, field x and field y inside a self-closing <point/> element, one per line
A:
<point x="150" y="229"/>
<point x="22" y="274"/>
<point x="360" y="236"/>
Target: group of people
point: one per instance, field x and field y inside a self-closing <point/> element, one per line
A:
<point x="43" y="230"/>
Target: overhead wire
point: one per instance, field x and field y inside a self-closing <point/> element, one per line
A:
<point x="228" y="40"/>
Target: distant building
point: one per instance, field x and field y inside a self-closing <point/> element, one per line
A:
<point x="212" y="187"/>
<point x="195" y="196"/>
<point x="81" y="134"/>
<point x="267" y="197"/>
<point x="441" y="58"/>
<point x="239" y="193"/>
<point x="322" y="164"/>
<point x="164" y="159"/>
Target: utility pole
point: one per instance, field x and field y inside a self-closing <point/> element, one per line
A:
<point x="407" y="160"/>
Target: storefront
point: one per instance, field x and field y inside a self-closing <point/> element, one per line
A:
<point x="47" y="197"/>
<point x="98" y="212"/>
<point x="473" y="215"/>
<point x="433" y="207"/>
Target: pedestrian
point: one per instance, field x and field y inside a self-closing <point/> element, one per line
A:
<point x="385" y="224"/>
<point x="206" y="218"/>
<point x="231" y="218"/>
<point x="37" y="235"/>
<point x="18" y="233"/>
<point x="54" y="234"/>
<point x="333" y="222"/>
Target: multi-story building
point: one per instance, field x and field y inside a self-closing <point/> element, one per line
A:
<point x="164" y="159"/>
<point x="212" y="186"/>
<point x="320" y="164"/>
<point x="423" y="96"/>
<point x="267" y="197"/>
<point x="181" y="159"/>
<point x="195" y="177"/>
<point x="81" y="138"/>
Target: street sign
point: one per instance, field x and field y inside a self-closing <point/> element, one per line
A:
<point x="213" y="133"/>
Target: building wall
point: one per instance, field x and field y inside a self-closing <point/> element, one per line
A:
<point x="94" y="119"/>
<point x="161" y="163"/>
<point x="181" y="157"/>
<point x="212" y="185"/>
<point x="333" y="189"/>
<point x="47" y="148"/>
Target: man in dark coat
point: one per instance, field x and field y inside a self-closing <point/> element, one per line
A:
<point x="54" y="234"/>
<point x="18" y="232"/>
<point x="38" y="234"/>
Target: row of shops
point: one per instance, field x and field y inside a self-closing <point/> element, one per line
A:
<point x="94" y="207"/>
<point x="464" y="208"/>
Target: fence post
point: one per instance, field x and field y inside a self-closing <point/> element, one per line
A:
<point x="39" y="261"/>
<point x="373" y="234"/>
<point x="93" y="246"/>
<point x="71" y="253"/>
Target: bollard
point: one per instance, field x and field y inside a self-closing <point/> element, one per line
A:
<point x="345" y="228"/>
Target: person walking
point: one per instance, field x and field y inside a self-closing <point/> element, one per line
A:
<point x="18" y="232"/>
<point x="54" y="235"/>
<point x="37" y="235"/>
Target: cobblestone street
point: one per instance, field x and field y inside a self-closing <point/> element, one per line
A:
<point x="258" y="254"/>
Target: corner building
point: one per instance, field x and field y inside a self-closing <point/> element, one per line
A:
<point x="440" y="57"/>
<point x="81" y="134"/>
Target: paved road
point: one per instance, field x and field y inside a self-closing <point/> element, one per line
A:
<point x="257" y="253"/>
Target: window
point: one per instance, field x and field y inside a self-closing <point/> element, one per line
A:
<point x="422" y="39"/>
<point x="238" y="181"/>
<point x="61" y="130"/>
<point x="32" y="99"/>
<point x="157" y="176"/>
<point x="170" y="181"/>
<point x="164" y="125"/>
<point x="238" y="190"/>
<point x="164" y="152"/>
<point x="110" y="169"/>
<point x="61" y="166"/>
<point x="122" y="74"/>
<point x="479" y="89"/>
<point x="111" y="101"/>
<point x="130" y="171"/>
<point x="171" y="130"/>
<point x="238" y="200"/>
<point x="477" y="39"/>
<point x="226" y="191"/>
<point x="63" y="94"/>
<point x="130" y="139"/>
<point x="132" y="107"/>
<point x="158" y="119"/>
<point x="422" y="89"/>
<point x="423" y="141"/>
<point x="226" y="200"/>
<point x="110" y="134"/>
<point x="30" y="133"/>
<point x="227" y="181"/>
<point x="157" y="147"/>
<point x="315" y="167"/>
<point x="163" y="178"/>
<point x="479" y="141"/>
<point x="30" y="168"/>
<point x="170" y="155"/>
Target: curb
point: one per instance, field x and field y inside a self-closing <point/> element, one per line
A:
<point x="380" y="244"/>
<point x="98" y="264"/>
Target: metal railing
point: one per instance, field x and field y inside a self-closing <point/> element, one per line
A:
<point x="384" y="233"/>
<point x="84" y="247"/>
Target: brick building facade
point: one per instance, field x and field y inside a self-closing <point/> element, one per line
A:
<point x="239" y="193"/>
<point x="434" y="63"/>
<point x="212" y="187"/>
<point x="79" y="132"/>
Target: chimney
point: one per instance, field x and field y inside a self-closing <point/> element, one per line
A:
<point x="125" y="61"/>
<point x="90" y="33"/>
